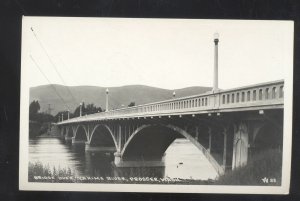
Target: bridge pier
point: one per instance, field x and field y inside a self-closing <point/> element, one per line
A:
<point x="91" y="148"/>
<point x="119" y="162"/>
<point x="118" y="159"/>
<point x="68" y="139"/>
<point x="240" y="145"/>
<point x="76" y="141"/>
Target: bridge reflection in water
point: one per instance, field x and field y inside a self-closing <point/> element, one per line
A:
<point x="227" y="126"/>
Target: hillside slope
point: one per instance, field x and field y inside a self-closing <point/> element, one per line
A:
<point x="118" y="96"/>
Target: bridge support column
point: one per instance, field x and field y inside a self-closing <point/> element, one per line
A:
<point x="62" y="131"/>
<point x="225" y="149"/>
<point x="197" y="133"/>
<point x="240" y="145"/>
<point x="209" y="140"/>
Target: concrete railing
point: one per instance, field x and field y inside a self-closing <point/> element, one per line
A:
<point x="264" y="94"/>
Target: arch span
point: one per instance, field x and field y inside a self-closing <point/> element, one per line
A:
<point x="149" y="142"/>
<point x="102" y="135"/>
<point x="81" y="133"/>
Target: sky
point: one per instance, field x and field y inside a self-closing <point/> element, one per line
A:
<point x="165" y="53"/>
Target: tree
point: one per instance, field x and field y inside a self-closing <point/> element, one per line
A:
<point x="39" y="121"/>
<point x="131" y="104"/>
<point x="86" y="109"/>
<point x="34" y="108"/>
<point x="91" y="109"/>
<point x="59" y="115"/>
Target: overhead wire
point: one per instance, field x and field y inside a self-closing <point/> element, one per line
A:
<point x="61" y="78"/>
<point x="67" y="68"/>
<point x="57" y="72"/>
<point x="61" y="98"/>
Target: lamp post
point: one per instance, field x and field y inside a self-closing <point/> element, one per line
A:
<point x="106" y="109"/>
<point x="80" y="109"/>
<point x="216" y="41"/>
<point x="174" y="94"/>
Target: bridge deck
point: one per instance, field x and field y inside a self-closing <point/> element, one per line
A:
<point x="255" y="97"/>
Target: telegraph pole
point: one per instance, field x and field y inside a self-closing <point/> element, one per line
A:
<point x="49" y="109"/>
<point x="80" y="110"/>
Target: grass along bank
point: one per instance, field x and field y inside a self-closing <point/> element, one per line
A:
<point x="262" y="169"/>
<point x="37" y="172"/>
<point x="44" y="174"/>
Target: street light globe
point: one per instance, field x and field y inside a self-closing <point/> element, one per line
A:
<point x="107" y="90"/>
<point x="216" y="35"/>
<point x="80" y="104"/>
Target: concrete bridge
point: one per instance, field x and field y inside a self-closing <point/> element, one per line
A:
<point x="228" y="126"/>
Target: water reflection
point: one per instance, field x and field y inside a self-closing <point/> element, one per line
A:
<point x="182" y="160"/>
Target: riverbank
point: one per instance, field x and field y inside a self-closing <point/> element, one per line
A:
<point x="44" y="174"/>
<point x="46" y="135"/>
<point x="262" y="169"/>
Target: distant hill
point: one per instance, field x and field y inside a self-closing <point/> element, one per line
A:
<point x="118" y="96"/>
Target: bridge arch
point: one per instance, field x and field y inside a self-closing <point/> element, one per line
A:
<point x="149" y="142"/>
<point x="81" y="133"/>
<point x="102" y="135"/>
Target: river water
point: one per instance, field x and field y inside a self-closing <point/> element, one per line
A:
<point x="182" y="160"/>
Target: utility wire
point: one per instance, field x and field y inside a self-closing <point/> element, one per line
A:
<point x="42" y="46"/>
<point x="49" y="82"/>
<point x="67" y="68"/>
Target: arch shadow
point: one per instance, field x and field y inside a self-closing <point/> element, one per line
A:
<point x="267" y="137"/>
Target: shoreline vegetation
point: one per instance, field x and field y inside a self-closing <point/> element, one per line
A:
<point x="45" y="174"/>
<point x="262" y="170"/>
